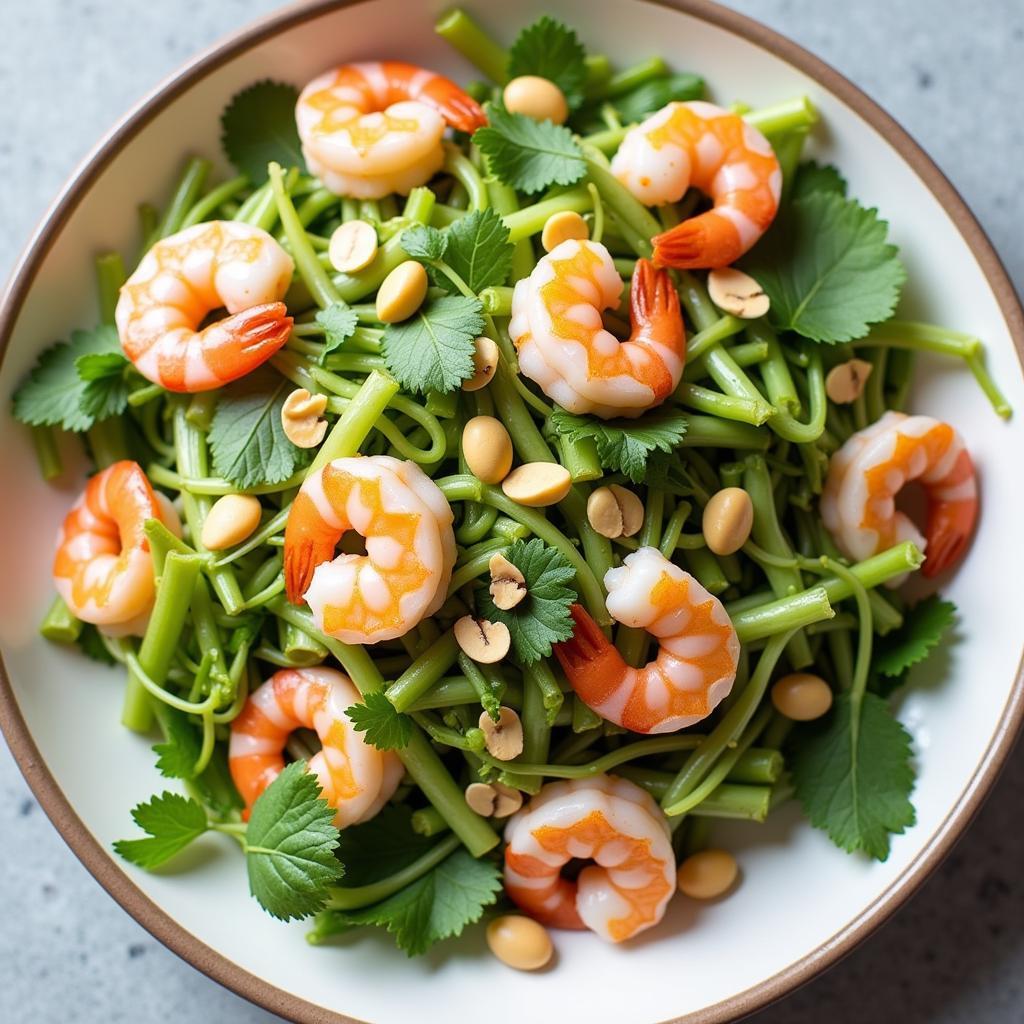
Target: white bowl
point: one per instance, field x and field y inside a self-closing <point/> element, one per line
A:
<point x="802" y="903"/>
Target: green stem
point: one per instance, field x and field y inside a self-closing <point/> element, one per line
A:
<point x="530" y="220"/>
<point x="213" y="200"/>
<point x="462" y="32"/>
<point x="110" y="275"/>
<point x="44" y="443"/>
<point x="185" y="195"/>
<point x="358" y="419"/>
<point x="59" y="624"/>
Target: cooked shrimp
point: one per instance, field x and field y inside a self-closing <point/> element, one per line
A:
<point x="103" y="569"/>
<point x="410" y="548"/>
<point x="696" y="663"/>
<point x="605" y="819"/>
<point x="355" y="778"/>
<point x="371" y="129"/>
<point x="702" y="145"/>
<point x="564" y="347"/>
<point x="858" y="502"/>
<point x="188" y="275"/>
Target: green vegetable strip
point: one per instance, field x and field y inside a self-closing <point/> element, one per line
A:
<point x="628" y="79"/>
<point x="539" y="677"/>
<point x="423" y="673"/>
<point x="455" y="691"/>
<point x="530" y="220"/>
<point x="213" y="201"/>
<point x="504" y="201"/>
<point x="724" y="406"/>
<point x="149" y="220"/>
<point x="298" y="646"/>
<point x="173" y="598"/>
<point x="184" y="197"/>
<point x="110" y="275"/>
<point x="798" y="112"/>
<point x="634" y="220"/>
<point x="485" y="694"/>
<point x="784" y="615"/>
<point x="462" y="32"/>
<point x="729" y="800"/>
<point x="706" y="567"/>
<point x="712" y="432"/>
<point x="59" y="625"/>
<point x="215" y="486"/>
<point x="778" y="381"/>
<point x="788" y="147"/>
<point x="462" y="169"/>
<point x="428" y="822"/>
<point x="44" y="444"/>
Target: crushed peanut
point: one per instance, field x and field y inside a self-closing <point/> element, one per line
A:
<point x="508" y="584"/>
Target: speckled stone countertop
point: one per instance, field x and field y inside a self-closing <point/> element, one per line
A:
<point x="950" y="73"/>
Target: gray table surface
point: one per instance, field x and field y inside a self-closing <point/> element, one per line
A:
<point x="68" y="68"/>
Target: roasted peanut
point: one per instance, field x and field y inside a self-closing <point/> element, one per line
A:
<point x="536" y="97"/>
<point x="707" y="874"/>
<point x="561" y="226"/>
<point x="485" y="642"/>
<point x="352" y="247"/>
<point x="485" y="363"/>
<point x="301" y="418"/>
<point x="734" y="292"/>
<point x="801" y="696"/>
<point x="504" y="738"/>
<point x="402" y="292"/>
<point x="230" y="520"/>
<point x="845" y="381"/>
<point x="727" y="521"/>
<point x="537" y="484"/>
<point x="519" y="942"/>
<point x="487" y="448"/>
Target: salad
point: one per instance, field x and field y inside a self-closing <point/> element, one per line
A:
<point x="495" y="486"/>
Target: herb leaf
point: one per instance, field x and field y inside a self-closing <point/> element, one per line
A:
<point x="172" y="822"/>
<point x="551" y="50"/>
<point x="828" y="269"/>
<point x="433" y="350"/>
<point x="625" y="445"/>
<point x="815" y="177"/>
<point x="258" y="126"/>
<point x="383" y="727"/>
<point x="437" y="906"/>
<point x="290" y="845"/>
<point x="542" y="617"/>
<point x="478" y="250"/>
<point x="56" y="393"/>
<point x="178" y="754"/>
<point x="247" y="442"/>
<point x="923" y="627"/>
<point x="645" y="99"/>
<point x="853" y="775"/>
<point x="529" y="155"/>
<point x="92" y="646"/>
<point x="422" y="242"/>
<point x="380" y="847"/>
<point x="339" y="323"/>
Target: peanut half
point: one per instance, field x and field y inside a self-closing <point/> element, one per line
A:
<point x="353" y="246"/>
<point x="508" y="584"/>
<point x="503" y="738"/>
<point x="615" y="511"/>
<point x="734" y="292"/>
<point x="845" y="381"/>
<point x="301" y="418"/>
<point x="485" y="642"/>
<point x="537" y="484"/>
<point x="485" y="364"/>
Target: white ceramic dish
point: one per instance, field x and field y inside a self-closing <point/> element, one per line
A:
<point x="802" y="903"/>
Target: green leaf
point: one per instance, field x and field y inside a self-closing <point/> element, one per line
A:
<point x="478" y="250"/>
<point x="93" y="647"/>
<point x="815" y="177"/>
<point x="339" y="322"/>
<point x="437" y="906"/>
<point x="178" y="754"/>
<point x="625" y="445"/>
<point x="56" y="394"/>
<point x="424" y="243"/>
<point x="290" y="846"/>
<point x="551" y="50"/>
<point x="853" y="775"/>
<point x="172" y="821"/>
<point x="380" y="847"/>
<point x="433" y="350"/>
<point x="106" y="385"/>
<point x="383" y="727"/>
<point x="258" y="126"/>
<point x="247" y="442"/>
<point x="529" y="155"/>
<point x="542" y="617"/>
<point x="827" y="268"/>
<point x="923" y="627"/>
<point x="645" y="99"/>
<point x="214" y="784"/>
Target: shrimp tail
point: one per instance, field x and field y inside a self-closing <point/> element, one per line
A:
<point x="950" y="522"/>
<point x="261" y="330"/>
<point x="462" y="112"/>
<point x="307" y="543"/>
<point x="592" y="664"/>
<point x="706" y="241"/>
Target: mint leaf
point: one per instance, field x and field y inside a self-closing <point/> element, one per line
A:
<point x="478" y="250"/>
<point x="529" y="155"/>
<point x="625" y="445"/>
<point x="923" y="627"/>
<point x="828" y="269"/>
<point x="258" y="126"/>
<point x="424" y="243"/>
<point x="382" y="726"/>
<point x="247" y="442"/>
<point x="542" y="617"/>
<point x="179" y="752"/>
<point x="55" y="393"/>
<point x="815" y="177"/>
<point x="433" y="349"/>
<point x="551" y="50"/>
<point x="290" y="846"/>
<point x="380" y="847"/>
<point x="853" y="775"/>
<point x="172" y="821"/>
<point x="339" y="323"/>
<point x="437" y="906"/>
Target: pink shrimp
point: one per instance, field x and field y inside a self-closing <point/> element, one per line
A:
<point x="702" y="145"/>
<point x="185" y="277"/>
<point x="606" y="819"/>
<point x="696" y="663"/>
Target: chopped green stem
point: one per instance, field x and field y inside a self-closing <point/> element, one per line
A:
<point x="713" y="432"/>
<point x="44" y="443"/>
<point x="461" y="168"/>
<point x="428" y="822"/>
<point x="782" y="616"/>
<point x="729" y="800"/>
<point x="728" y="407"/>
<point x="414" y="683"/>
<point x="798" y="112"/>
<point x="213" y="200"/>
<point x="699" y="343"/>
<point x="185" y="195"/>
<point x="628" y="79"/>
<point x="110" y="275"/>
<point x="462" y="32"/>
<point x="59" y="624"/>
<point x="634" y="220"/>
<point x="530" y="220"/>
<point x="214" y="486"/>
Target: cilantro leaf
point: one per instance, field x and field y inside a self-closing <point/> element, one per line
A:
<point x="827" y="268"/>
<point x="542" y="617"/>
<point x="625" y="445"/>
<point x="383" y="727"/>
<point x="923" y="627"/>
<point x="437" y="906"/>
<point x="645" y="99"/>
<point x="247" y="441"/>
<point x="380" y="847"/>
<point x="106" y="386"/>
<point x="258" y="126"/>
<point x="853" y="775"/>
<point x="479" y="250"/>
<point x="529" y="155"/>
<point x="55" y="392"/>
<point x="422" y="242"/>
<point x="551" y="50"/>
<point x="290" y="846"/>
<point x="815" y="177"/>
<point x="172" y="822"/>
<point x="91" y="644"/>
<point x="339" y="323"/>
<point x="433" y="350"/>
<point x="178" y="754"/>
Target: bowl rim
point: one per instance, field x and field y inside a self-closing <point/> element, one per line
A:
<point x="101" y="864"/>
